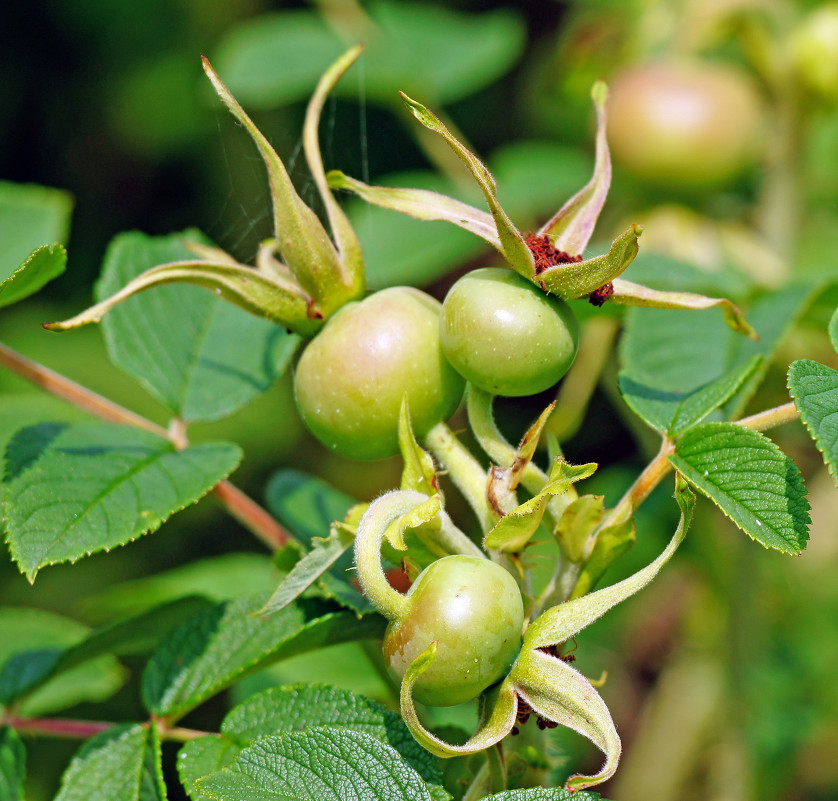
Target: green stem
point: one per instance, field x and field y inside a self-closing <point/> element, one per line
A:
<point x="240" y="506"/>
<point x="497" y="767"/>
<point x="466" y="472"/>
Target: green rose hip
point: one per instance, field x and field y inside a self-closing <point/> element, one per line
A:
<point x="352" y="376"/>
<point x="472" y="608"/>
<point x="505" y="335"/>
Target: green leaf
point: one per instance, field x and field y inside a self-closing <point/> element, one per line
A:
<point x="121" y="764"/>
<point x="306" y="505"/>
<point x="29" y="670"/>
<point x="44" y="264"/>
<point x="814" y="388"/>
<point x="672" y="413"/>
<point x="322" y="556"/>
<point x="203" y="756"/>
<point x="545" y="794"/>
<point x="299" y="707"/>
<point x="680" y="351"/>
<point x="30" y="216"/>
<point x="750" y="479"/>
<point x="12" y="766"/>
<point x="833" y="330"/>
<point x="321" y="764"/>
<point x="46" y="635"/>
<point x="219" y="646"/>
<point x="71" y="490"/>
<point x="217" y="578"/>
<point x="198" y="354"/>
<point x="275" y="59"/>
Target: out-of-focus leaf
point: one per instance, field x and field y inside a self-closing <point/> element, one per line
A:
<point x="203" y="357"/>
<point x="306" y="505"/>
<point x="215" y="648"/>
<point x="674" y="412"/>
<point x="30" y="216"/>
<point x="44" y="264"/>
<point x="12" y="766"/>
<point x="46" y="635"/>
<point x="27" y="671"/>
<point x="217" y="578"/>
<point x="750" y="479"/>
<point x="322" y="763"/>
<point x="814" y="387"/>
<point x="121" y="764"/>
<point x="71" y="490"/>
<point x="431" y="50"/>
<point x="680" y="351"/>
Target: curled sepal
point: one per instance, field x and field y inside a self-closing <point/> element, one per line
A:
<point x="571" y="227"/>
<point x="305" y="245"/>
<point x="418" y="472"/>
<point x="351" y="257"/>
<point x="559" y="623"/>
<point x="578" y="279"/>
<point x="557" y="692"/>
<point x="422" y="204"/>
<point x="425" y="516"/>
<point x="391" y="514"/>
<point x="515" y="529"/>
<point x="513" y="246"/>
<point x="498" y="708"/>
<point x="280" y="301"/>
<point x="482" y="421"/>
<point x="627" y="293"/>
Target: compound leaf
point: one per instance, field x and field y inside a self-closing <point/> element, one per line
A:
<point x="320" y="764"/>
<point x="814" y="388"/>
<point x="71" y="490"/>
<point x="750" y="479"/>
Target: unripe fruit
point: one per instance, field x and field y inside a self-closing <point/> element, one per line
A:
<point x="505" y="335"/>
<point x="352" y="376"/>
<point x="472" y="608"/>
<point x="685" y="125"/>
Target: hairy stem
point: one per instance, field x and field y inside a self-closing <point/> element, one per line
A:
<point x="237" y="504"/>
<point x="770" y="418"/>
<point x="466" y="472"/>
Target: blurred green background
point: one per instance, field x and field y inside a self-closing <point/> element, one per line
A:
<point x="721" y="674"/>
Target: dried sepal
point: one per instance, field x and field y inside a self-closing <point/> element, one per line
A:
<point x="422" y="204"/>
<point x="513" y="245"/>
<point x="627" y="293"/>
<point x="280" y="301"/>
<point x="305" y="245"/>
<point x="571" y="228"/>
<point x="351" y="257"/>
<point x="557" y="692"/>
<point x="498" y="709"/>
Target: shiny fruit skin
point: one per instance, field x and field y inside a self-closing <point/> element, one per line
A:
<point x="472" y="608"/>
<point x="351" y="377"/>
<point x="505" y="335"/>
<point x="685" y="125"/>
